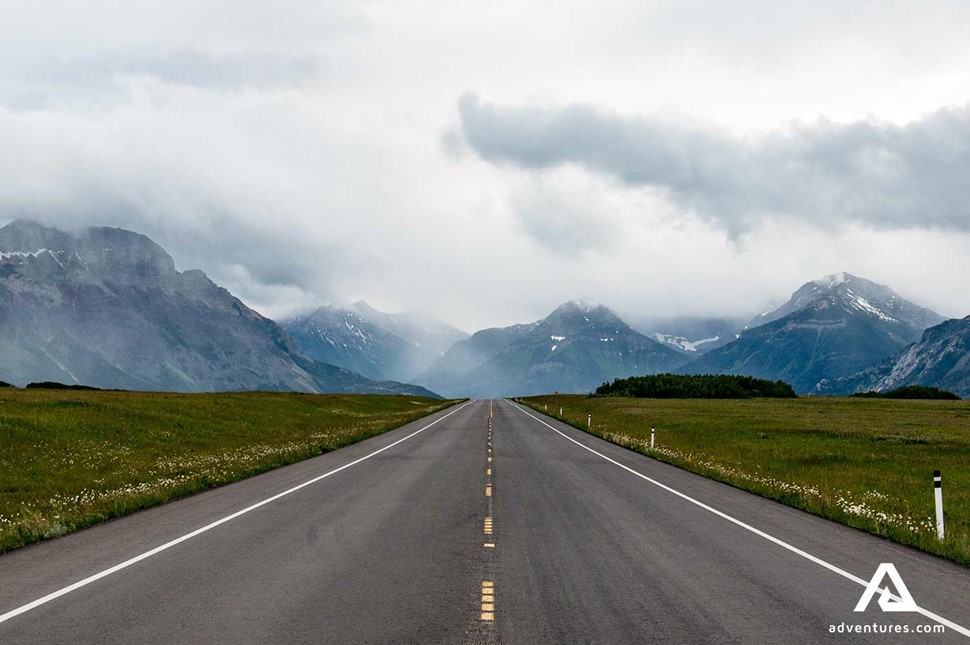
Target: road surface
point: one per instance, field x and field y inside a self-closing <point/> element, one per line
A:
<point x="466" y="528"/>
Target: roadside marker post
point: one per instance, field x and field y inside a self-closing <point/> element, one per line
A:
<point x="589" y="421"/>
<point x="938" y="490"/>
<point x="652" y="431"/>
<point x="560" y="411"/>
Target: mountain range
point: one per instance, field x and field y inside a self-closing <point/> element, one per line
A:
<point x="106" y="307"/>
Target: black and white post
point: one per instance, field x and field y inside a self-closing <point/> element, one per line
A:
<point x="938" y="490"/>
<point x="652" y="432"/>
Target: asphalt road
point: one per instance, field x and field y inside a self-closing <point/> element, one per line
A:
<point x="445" y="531"/>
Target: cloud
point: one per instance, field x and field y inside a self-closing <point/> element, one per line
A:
<point x="184" y="167"/>
<point x="879" y="174"/>
<point x="295" y="153"/>
<point x="570" y="212"/>
<point x="107" y="77"/>
<point x="205" y="70"/>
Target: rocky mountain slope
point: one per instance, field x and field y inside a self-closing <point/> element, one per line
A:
<point x="940" y="358"/>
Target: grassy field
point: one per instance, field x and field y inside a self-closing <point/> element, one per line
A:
<point x="69" y="459"/>
<point x="867" y="463"/>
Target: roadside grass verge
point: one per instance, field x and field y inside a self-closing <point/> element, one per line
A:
<point x="867" y="463"/>
<point x="70" y="459"/>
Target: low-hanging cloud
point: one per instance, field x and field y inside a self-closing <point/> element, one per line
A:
<point x="868" y="172"/>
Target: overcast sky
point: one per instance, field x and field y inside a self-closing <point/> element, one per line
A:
<point x="485" y="161"/>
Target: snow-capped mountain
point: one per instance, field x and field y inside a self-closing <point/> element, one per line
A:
<point x="376" y="344"/>
<point x="692" y="335"/>
<point x="106" y="307"/>
<point x="940" y="358"/>
<point x="857" y="293"/>
<point x="828" y="329"/>
<point x="574" y="349"/>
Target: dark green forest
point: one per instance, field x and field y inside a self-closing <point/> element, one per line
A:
<point x="700" y="386"/>
<point x="911" y="392"/>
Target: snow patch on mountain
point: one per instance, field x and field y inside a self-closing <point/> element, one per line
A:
<point x="683" y="343"/>
<point x="861" y="304"/>
<point x="6" y="255"/>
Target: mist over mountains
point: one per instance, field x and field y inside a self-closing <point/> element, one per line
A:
<point x="376" y="344"/>
<point x="691" y="334"/>
<point x="106" y="307"/>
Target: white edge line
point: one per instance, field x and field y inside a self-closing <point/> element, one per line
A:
<point x="188" y="536"/>
<point x="808" y="556"/>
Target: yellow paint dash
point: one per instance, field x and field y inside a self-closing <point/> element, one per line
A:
<point x="488" y="606"/>
<point x="487" y="615"/>
<point x="488" y="491"/>
<point x="488" y="471"/>
<point x="488" y="598"/>
<point x="488" y="583"/>
<point x="489" y="545"/>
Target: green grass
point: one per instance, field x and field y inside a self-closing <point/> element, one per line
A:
<point x="867" y="463"/>
<point x="70" y="459"/>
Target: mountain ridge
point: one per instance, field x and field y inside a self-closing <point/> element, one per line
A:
<point x="828" y="329"/>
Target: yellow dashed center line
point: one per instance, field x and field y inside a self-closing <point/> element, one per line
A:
<point x="488" y="600"/>
<point x="488" y="587"/>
